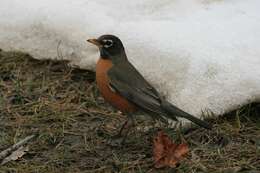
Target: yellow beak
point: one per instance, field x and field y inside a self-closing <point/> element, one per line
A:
<point x="95" y="42"/>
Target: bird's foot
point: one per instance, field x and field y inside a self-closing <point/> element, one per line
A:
<point x="117" y="140"/>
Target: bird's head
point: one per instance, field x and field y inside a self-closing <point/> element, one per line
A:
<point x="110" y="47"/>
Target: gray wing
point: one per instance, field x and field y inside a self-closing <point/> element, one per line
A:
<point x="129" y="83"/>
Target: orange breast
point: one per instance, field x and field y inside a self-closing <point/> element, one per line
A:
<point x="103" y="65"/>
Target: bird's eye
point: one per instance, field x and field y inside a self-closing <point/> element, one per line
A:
<point x="108" y="43"/>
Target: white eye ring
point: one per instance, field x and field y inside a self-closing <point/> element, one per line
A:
<point x="108" y="43"/>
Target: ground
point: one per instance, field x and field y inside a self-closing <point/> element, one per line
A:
<point x="75" y="127"/>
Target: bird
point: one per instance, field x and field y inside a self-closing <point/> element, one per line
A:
<point x="125" y="88"/>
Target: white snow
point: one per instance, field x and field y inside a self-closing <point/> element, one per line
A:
<point x="202" y="54"/>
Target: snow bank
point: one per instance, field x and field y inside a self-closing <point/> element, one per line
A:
<point x="203" y="54"/>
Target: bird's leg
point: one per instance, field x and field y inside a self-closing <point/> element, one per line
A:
<point x="121" y="137"/>
<point x="126" y="124"/>
<point x="131" y="118"/>
<point x="123" y="127"/>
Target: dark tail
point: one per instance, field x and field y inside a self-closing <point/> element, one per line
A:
<point x="174" y="111"/>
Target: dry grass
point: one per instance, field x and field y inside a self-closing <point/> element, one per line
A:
<point x="74" y="126"/>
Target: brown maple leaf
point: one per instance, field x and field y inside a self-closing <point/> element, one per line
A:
<point x="166" y="152"/>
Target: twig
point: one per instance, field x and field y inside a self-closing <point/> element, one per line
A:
<point x="9" y="150"/>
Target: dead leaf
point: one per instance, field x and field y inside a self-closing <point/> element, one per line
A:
<point x="166" y="152"/>
<point x="16" y="154"/>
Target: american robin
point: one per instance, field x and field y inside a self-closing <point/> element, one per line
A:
<point x="126" y="89"/>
